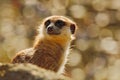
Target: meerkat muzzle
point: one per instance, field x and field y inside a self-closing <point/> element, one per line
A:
<point x="53" y="30"/>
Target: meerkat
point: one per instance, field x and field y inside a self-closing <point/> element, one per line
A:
<point x="51" y="47"/>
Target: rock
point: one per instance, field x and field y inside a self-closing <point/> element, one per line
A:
<point x="27" y="72"/>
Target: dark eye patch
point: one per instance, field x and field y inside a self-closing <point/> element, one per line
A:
<point x="60" y="23"/>
<point x="47" y="23"/>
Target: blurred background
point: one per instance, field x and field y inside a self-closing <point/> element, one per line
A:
<point x="95" y="53"/>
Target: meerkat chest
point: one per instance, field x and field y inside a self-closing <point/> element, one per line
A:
<point x="49" y="56"/>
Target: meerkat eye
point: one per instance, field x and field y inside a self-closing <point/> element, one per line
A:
<point x="47" y="23"/>
<point x="60" y="23"/>
<point x="72" y="28"/>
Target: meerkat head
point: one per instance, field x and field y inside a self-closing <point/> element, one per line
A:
<point x="58" y="28"/>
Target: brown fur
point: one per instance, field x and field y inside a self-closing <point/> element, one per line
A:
<point x="47" y="52"/>
<point x="23" y="56"/>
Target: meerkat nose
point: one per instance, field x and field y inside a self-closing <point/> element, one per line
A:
<point x="50" y="29"/>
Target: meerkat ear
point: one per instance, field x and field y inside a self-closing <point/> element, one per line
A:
<point x="72" y="28"/>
